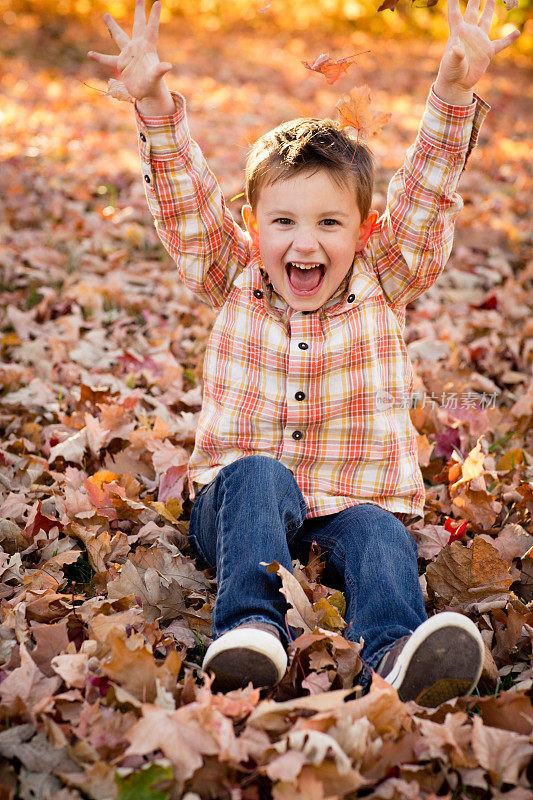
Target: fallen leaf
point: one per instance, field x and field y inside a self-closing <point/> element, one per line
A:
<point x="462" y="576"/>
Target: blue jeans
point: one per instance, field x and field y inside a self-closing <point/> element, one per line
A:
<point x="254" y="511"/>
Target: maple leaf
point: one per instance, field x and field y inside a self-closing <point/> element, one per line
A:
<point x="332" y="70"/>
<point x="117" y="90"/>
<point x="355" y="112"/>
<point x="462" y="576"/>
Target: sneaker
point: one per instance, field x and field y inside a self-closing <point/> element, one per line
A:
<point x="252" y="652"/>
<point x="441" y="659"/>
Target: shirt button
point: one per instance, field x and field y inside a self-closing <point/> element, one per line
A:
<point x="303" y="345"/>
<point x="297" y="435"/>
<point x="299" y="396"/>
<point x="147" y="178"/>
<point x="142" y="137"/>
<point x="351" y="298"/>
<point x="258" y="293"/>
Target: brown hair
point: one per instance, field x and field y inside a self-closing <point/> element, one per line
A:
<point x="306" y="144"/>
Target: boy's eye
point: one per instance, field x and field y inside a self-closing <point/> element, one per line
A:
<point x="330" y="222"/>
<point x="283" y="220"/>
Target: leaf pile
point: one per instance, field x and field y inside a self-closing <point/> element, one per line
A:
<point x="104" y="616"/>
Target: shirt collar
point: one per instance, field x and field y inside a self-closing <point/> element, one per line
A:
<point x="360" y="282"/>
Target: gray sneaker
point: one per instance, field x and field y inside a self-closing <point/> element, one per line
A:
<point x="252" y="652"/>
<point x="441" y="659"/>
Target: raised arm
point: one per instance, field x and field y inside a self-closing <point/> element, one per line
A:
<point x="413" y="238"/>
<point x="183" y="195"/>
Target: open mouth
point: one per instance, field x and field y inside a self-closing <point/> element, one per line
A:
<point x="305" y="279"/>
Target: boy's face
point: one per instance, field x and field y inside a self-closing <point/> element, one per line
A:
<point x="307" y="220"/>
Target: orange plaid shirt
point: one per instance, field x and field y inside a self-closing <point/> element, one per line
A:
<point x="325" y="392"/>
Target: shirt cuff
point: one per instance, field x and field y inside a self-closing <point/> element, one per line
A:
<point x="454" y="129"/>
<point x="165" y="137"/>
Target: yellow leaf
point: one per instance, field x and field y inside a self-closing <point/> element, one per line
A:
<point x="329" y="617"/>
<point x="338" y="600"/>
<point x="10" y="340"/>
<point x="168" y="510"/>
<point x="472" y="467"/>
<point x="511" y="459"/>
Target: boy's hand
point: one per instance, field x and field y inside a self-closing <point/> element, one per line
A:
<point x="468" y="52"/>
<point x="138" y="63"/>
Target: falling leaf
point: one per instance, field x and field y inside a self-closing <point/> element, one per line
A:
<point x="355" y="111"/>
<point x="332" y="70"/>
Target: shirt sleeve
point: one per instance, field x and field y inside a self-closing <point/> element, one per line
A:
<point x="413" y="238"/>
<point x="190" y="215"/>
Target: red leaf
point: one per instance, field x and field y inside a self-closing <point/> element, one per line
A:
<point x="455" y="531"/>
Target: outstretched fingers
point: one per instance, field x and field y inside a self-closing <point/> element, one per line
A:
<point x="454" y="14"/>
<point x="485" y="21"/>
<point x="108" y="61"/>
<point x="120" y="36"/>
<point x="139" y="20"/>
<point x="152" y="29"/>
<point x="501" y="44"/>
<point x="471" y="12"/>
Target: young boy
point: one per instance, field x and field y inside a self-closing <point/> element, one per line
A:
<point x="304" y="432"/>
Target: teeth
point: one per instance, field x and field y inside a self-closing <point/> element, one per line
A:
<point x="304" y="266"/>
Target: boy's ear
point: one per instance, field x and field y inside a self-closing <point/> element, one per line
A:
<point x="365" y="230"/>
<point x="251" y="223"/>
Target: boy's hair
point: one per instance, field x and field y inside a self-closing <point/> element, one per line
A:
<point x="307" y="144"/>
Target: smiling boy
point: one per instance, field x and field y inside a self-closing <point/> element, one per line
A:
<point x="309" y="192"/>
<point x="293" y="443"/>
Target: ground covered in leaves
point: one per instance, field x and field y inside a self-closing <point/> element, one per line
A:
<point x="104" y="616"/>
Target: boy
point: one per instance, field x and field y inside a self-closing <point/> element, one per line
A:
<point x="303" y="434"/>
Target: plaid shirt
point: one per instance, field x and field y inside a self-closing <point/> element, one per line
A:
<point x="326" y="392"/>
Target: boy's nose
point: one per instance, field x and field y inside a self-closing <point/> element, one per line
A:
<point x="305" y="242"/>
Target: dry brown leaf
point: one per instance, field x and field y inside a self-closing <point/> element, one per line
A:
<point x="355" y="112"/>
<point x="430" y="540"/>
<point x="463" y="576"/>
<point x="301" y="614"/>
<point x="476" y="505"/>
<point x="136" y="670"/>
<point x="504" y="754"/>
<point x="509" y="710"/>
<point x="117" y="90"/>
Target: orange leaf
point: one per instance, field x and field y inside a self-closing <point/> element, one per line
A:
<point x="355" y="111"/>
<point x="102" y="476"/>
<point x="332" y="70"/>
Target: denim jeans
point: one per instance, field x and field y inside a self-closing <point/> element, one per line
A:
<point x="254" y="511"/>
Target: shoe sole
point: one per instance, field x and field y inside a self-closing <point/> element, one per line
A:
<point x="417" y="673"/>
<point x="243" y="655"/>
